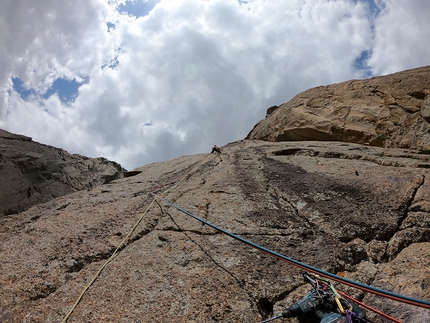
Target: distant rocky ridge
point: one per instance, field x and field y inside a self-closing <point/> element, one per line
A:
<point x="32" y="173"/>
<point x="384" y="111"/>
<point x="350" y="208"/>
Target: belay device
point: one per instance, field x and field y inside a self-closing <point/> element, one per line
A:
<point x="323" y="305"/>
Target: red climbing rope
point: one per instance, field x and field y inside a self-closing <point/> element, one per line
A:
<point x="339" y="279"/>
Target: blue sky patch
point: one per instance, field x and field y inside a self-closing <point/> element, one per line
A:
<point x="66" y="90"/>
<point x="137" y="8"/>
<point x="373" y="8"/>
<point x="114" y="63"/>
<point x="110" y="26"/>
<point x="23" y="92"/>
<point x="360" y="63"/>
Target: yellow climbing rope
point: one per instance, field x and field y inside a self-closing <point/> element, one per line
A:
<point x="127" y="237"/>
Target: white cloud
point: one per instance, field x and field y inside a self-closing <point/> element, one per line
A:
<point x="401" y="38"/>
<point x="191" y="73"/>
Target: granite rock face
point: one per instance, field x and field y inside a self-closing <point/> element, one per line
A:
<point x="384" y="111"/>
<point x="337" y="178"/>
<point x="32" y="173"/>
<point x="354" y="210"/>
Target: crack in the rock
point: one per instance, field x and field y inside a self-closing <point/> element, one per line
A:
<point x="309" y="224"/>
<point x="264" y="305"/>
<point x="80" y="263"/>
<point x="276" y="197"/>
<point x="403" y="242"/>
<point x="265" y="234"/>
<point x="207" y="205"/>
<point x="338" y="155"/>
<point x="196" y="232"/>
<point x="42" y="291"/>
<point x="239" y="282"/>
<point x="147" y="230"/>
<point x="408" y="204"/>
<point x="86" y="260"/>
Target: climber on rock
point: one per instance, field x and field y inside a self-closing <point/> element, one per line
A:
<point x="216" y="149"/>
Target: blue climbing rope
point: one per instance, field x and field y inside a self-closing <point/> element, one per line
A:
<point x="339" y="279"/>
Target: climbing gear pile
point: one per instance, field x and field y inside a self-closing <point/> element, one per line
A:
<point x="325" y="304"/>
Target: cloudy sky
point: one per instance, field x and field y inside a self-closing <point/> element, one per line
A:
<point x="140" y="81"/>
